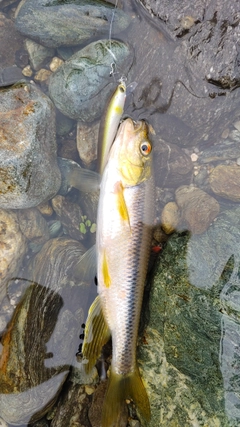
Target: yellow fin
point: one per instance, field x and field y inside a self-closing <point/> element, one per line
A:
<point x="121" y="204"/>
<point x="120" y="388"/>
<point x="96" y="335"/>
<point x="105" y="271"/>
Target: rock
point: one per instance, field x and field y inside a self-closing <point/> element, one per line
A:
<point x="11" y="41"/>
<point x="55" y="63"/>
<point x="55" y="23"/>
<point x="180" y="350"/>
<point x="172" y="165"/>
<point x="27" y="71"/>
<point x="209" y="252"/>
<point x="83" y="80"/>
<point x="72" y="408"/>
<point x="70" y="214"/>
<point x="64" y="126"/>
<point x="38" y="54"/>
<point x="29" y="174"/>
<point x="45" y="209"/>
<point x="170" y="217"/>
<point x="87" y="140"/>
<point x="42" y="75"/>
<point x="42" y="336"/>
<point x="185" y="107"/>
<point x="33" y="225"/>
<point x="222" y="151"/>
<point x="13" y="248"/>
<point x="225" y="182"/>
<point x="198" y="209"/>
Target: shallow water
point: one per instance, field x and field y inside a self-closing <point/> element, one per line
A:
<point x="189" y="116"/>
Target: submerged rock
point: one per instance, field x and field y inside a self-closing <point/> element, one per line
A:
<point x="188" y="345"/>
<point x="13" y="248"/>
<point x="81" y="87"/>
<point x="54" y="23"/>
<point x="29" y="174"/>
<point x="198" y="209"/>
<point x="225" y="182"/>
<point x="41" y="340"/>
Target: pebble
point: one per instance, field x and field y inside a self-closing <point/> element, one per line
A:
<point x="198" y="209"/>
<point x="194" y="157"/>
<point x="87" y="140"/>
<point x="170" y="217"/>
<point x="38" y="54"/>
<point x="42" y="75"/>
<point x="225" y="182"/>
<point x="55" y="63"/>
<point x="27" y="71"/>
<point x="237" y="125"/>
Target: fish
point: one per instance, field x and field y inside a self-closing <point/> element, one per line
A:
<point x="123" y="244"/>
<point x="109" y="124"/>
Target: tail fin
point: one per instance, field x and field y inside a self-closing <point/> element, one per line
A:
<point x="120" y="388"/>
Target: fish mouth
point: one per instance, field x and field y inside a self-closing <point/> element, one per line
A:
<point x="130" y="124"/>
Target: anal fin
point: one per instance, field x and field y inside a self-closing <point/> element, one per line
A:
<point x="96" y="335"/>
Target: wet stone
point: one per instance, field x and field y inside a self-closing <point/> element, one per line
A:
<point x="42" y="337"/>
<point x="33" y="225"/>
<point x="170" y="217"/>
<point x="221" y="151"/>
<point x="173" y="166"/>
<point x="180" y="350"/>
<point x="70" y="214"/>
<point x="198" y="209"/>
<point x="38" y="54"/>
<point x="67" y="24"/>
<point x="72" y="407"/>
<point x="87" y="139"/>
<point x="13" y="248"/>
<point x="225" y="182"/>
<point x="11" y="42"/>
<point x="83" y="80"/>
<point x="29" y="173"/>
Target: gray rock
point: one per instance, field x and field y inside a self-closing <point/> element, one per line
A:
<point x="29" y="173"/>
<point x="81" y="86"/>
<point x="13" y="248"/>
<point x="69" y="23"/>
<point x="37" y="54"/>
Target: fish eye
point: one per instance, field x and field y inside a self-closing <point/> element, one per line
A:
<point x="122" y="88"/>
<point x="145" y="148"/>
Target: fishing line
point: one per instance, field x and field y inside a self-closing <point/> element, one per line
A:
<point x="113" y="65"/>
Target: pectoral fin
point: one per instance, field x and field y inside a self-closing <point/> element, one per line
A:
<point x="86" y="268"/>
<point x="121" y="203"/>
<point x="96" y="335"/>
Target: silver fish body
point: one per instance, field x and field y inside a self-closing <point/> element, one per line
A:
<point x="124" y="224"/>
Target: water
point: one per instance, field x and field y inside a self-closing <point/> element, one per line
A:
<point x="189" y="347"/>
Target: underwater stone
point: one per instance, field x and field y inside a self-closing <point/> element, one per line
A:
<point x="33" y="225"/>
<point x="13" y="248"/>
<point x="42" y="337"/>
<point x="54" y="23"/>
<point x="198" y="209"/>
<point x="225" y="182"/>
<point x="81" y="86"/>
<point x="179" y="353"/>
<point x="29" y="172"/>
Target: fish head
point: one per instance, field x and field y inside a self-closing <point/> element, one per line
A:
<point x="133" y="152"/>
